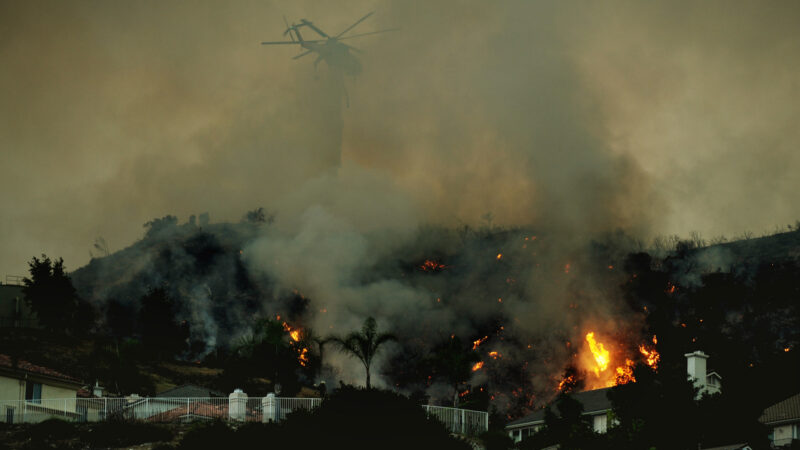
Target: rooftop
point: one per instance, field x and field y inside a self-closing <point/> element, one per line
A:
<point x="6" y="361"/>
<point x="593" y="401"/>
<point x="784" y="411"/>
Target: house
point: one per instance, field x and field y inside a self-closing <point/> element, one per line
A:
<point x="597" y="406"/>
<point x="14" y="310"/>
<point x="707" y="383"/>
<point x="36" y="391"/>
<point x="741" y="446"/>
<point x="783" y="419"/>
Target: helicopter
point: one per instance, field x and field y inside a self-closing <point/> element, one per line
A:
<point x="328" y="48"/>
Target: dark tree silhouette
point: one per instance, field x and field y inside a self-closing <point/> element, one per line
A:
<point x="363" y="344"/>
<point x="50" y="294"/>
<point x="453" y="363"/>
<point x="160" y="333"/>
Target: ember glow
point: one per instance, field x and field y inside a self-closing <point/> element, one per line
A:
<point x="432" y="266"/>
<point x="566" y="383"/>
<point x="495" y="355"/>
<point x="477" y="343"/>
<point x="294" y="333"/>
<point x="478" y="366"/>
<point x="302" y="357"/>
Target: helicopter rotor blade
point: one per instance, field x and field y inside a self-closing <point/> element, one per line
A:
<point x="289" y="42"/>
<point x="315" y="28"/>
<point x="367" y="34"/>
<point x="288" y="29"/>
<point x="354" y="25"/>
<point x="303" y="54"/>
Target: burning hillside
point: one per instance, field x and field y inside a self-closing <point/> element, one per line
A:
<point x="527" y="305"/>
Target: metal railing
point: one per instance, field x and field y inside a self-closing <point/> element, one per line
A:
<point x="460" y="421"/>
<point x="15" y="280"/>
<point x="239" y="409"/>
<point x="150" y="409"/>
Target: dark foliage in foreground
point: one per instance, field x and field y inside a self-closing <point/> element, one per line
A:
<point x="352" y="418"/>
<point x="122" y="433"/>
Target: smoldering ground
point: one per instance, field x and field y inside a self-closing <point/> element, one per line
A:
<point x="555" y="117"/>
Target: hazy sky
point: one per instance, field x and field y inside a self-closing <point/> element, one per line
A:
<point x="655" y="117"/>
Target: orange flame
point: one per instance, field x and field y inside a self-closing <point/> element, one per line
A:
<point x="499" y="256"/>
<point x="478" y="366"/>
<point x="625" y="373"/>
<point x="480" y="341"/>
<point x="432" y="266"/>
<point x="303" y="356"/>
<point x="495" y="354"/>
<point x="599" y="352"/>
<point x="651" y="356"/>
<point x="566" y="383"/>
<point x="293" y="332"/>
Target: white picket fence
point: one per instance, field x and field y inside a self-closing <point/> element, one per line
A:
<point x="152" y="409"/>
<point x="241" y="409"/>
<point x="460" y="421"/>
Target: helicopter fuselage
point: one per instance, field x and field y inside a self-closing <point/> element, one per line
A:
<point x="335" y="54"/>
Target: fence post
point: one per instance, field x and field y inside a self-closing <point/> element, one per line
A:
<point x="237" y="405"/>
<point x="65" y="408"/>
<point x="268" y="408"/>
<point x="187" y="409"/>
<point x="462" y="421"/>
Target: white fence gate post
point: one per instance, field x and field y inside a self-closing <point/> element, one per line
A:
<point x="269" y="408"/>
<point x="237" y="405"/>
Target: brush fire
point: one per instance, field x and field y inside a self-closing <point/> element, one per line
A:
<point x="296" y="335"/>
<point x="603" y="363"/>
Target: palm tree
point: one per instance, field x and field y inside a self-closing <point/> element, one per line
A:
<point x="364" y="344"/>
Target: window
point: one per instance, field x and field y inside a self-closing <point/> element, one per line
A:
<point x="33" y="392"/>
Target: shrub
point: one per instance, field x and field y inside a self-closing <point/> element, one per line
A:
<point x="121" y="433"/>
<point x="50" y="430"/>
<point x="207" y="435"/>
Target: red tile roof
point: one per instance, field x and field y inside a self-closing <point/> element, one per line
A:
<point x="5" y="361"/>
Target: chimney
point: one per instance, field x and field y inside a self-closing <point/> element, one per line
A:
<point x="98" y="390"/>
<point x="696" y="367"/>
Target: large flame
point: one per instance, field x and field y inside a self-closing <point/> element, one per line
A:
<point x="599" y="352"/>
<point x="606" y="364"/>
<point x="478" y="366"/>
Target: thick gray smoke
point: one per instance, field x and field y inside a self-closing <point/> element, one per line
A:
<point x="569" y="120"/>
